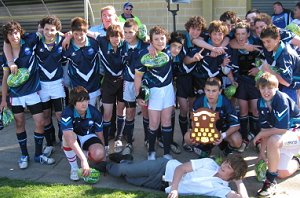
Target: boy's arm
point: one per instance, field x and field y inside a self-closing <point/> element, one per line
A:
<point x="4" y="88"/>
<point x="10" y="58"/>
<point x="201" y="43"/>
<point x="266" y="133"/>
<point x="197" y="57"/>
<point x="241" y="190"/>
<point x="179" y="172"/>
<point x="137" y="85"/>
<point x="69" y="136"/>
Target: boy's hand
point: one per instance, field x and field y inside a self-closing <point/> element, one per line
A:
<point x="253" y="71"/>
<point x="173" y="194"/>
<point x="226" y="61"/>
<point x="250" y="48"/>
<point x="152" y="51"/>
<point x="13" y="68"/>
<point x="85" y="168"/>
<point x="198" y="56"/>
<point x="141" y="102"/>
<point x="3" y="105"/>
<point x="218" y="50"/>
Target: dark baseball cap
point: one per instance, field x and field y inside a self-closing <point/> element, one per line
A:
<point x="127" y="4"/>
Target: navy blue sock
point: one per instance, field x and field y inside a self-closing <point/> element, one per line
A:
<point x="173" y="121"/>
<point x="152" y="138"/>
<point x="254" y="124"/>
<point x="22" y="139"/>
<point x="183" y="123"/>
<point x="244" y="127"/>
<point x="128" y="130"/>
<point x="59" y="130"/>
<point x="38" y="139"/>
<point x="271" y="176"/>
<point x="48" y="133"/>
<point x="167" y="138"/>
<point x="146" y="128"/>
<point x="106" y="131"/>
<point x="120" y="125"/>
<point x="158" y="134"/>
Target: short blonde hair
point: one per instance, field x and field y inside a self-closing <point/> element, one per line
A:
<point x="267" y="80"/>
<point x="109" y="7"/>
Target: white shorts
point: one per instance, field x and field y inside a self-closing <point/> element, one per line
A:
<point x="128" y="91"/>
<point x="24" y="101"/>
<point x="93" y="97"/>
<point x="290" y="147"/>
<point x="52" y="90"/>
<point x="161" y="98"/>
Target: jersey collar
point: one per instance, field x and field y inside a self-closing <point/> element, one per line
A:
<point x="76" y="47"/>
<point x="219" y="102"/>
<point x="87" y="114"/>
<point x="279" y="50"/>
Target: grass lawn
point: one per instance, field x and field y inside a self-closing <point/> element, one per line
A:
<point x="21" y="189"/>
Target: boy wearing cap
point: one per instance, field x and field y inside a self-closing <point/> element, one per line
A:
<point x="127" y="14"/>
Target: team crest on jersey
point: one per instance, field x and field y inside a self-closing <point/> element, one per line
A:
<point x="91" y="122"/>
<point x="27" y="51"/>
<point x="90" y="51"/>
<point x="59" y="50"/>
<point x="41" y="50"/>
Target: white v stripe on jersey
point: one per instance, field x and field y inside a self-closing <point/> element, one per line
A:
<point x="162" y="79"/>
<point x="48" y="74"/>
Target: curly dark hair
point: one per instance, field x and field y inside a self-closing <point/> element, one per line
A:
<point x="195" y="22"/>
<point x="9" y="28"/>
<point x="52" y="20"/>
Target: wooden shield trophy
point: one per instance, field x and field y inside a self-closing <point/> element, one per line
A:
<point x="204" y="129"/>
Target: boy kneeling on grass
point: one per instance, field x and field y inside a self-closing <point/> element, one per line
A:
<point x="280" y="139"/>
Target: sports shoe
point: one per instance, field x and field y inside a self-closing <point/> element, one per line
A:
<point x="268" y="189"/>
<point x="23" y="161"/>
<point x="118" y="146"/>
<point x="101" y="166"/>
<point x="118" y="157"/>
<point x="160" y="142"/>
<point x="42" y="159"/>
<point x="168" y="156"/>
<point x="187" y="147"/>
<point x="175" y="148"/>
<point x="152" y="155"/>
<point x="243" y="146"/>
<point x="74" y="175"/>
<point x="128" y="149"/>
<point x="48" y="150"/>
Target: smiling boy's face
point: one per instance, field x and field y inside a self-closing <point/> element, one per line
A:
<point x="159" y="41"/>
<point x="175" y="48"/>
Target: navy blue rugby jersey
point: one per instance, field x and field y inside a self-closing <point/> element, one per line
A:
<point x="84" y="65"/>
<point x="50" y="60"/>
<point x="129" y="56"/>
<point x="111" y="60"/>
<point x="284" y="112"/>
<point x="286" y="62"/>
<point x="27" y="59"/>
<point x="158" y="76"/>
<point x="227" y="113"/>
<point x="72" y="121"/>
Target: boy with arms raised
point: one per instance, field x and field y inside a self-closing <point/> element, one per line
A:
<point x="280" y="140"/>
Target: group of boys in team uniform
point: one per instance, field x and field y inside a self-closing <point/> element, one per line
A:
<point x="199" y="63"/>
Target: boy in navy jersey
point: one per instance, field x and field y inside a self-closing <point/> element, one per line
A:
<point x="83" y="60"/>
<point x="280" y="140"/>
<point x="228" y="124"/>
<point x="247" y="93"/>
<point x="162" y="98"/>
<point x="24" y="95"/>
<point x="285" y="61"/>
<point x="81" y="124"/>
<point x="130" y="49"/>
<point x="112" y="86"/>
